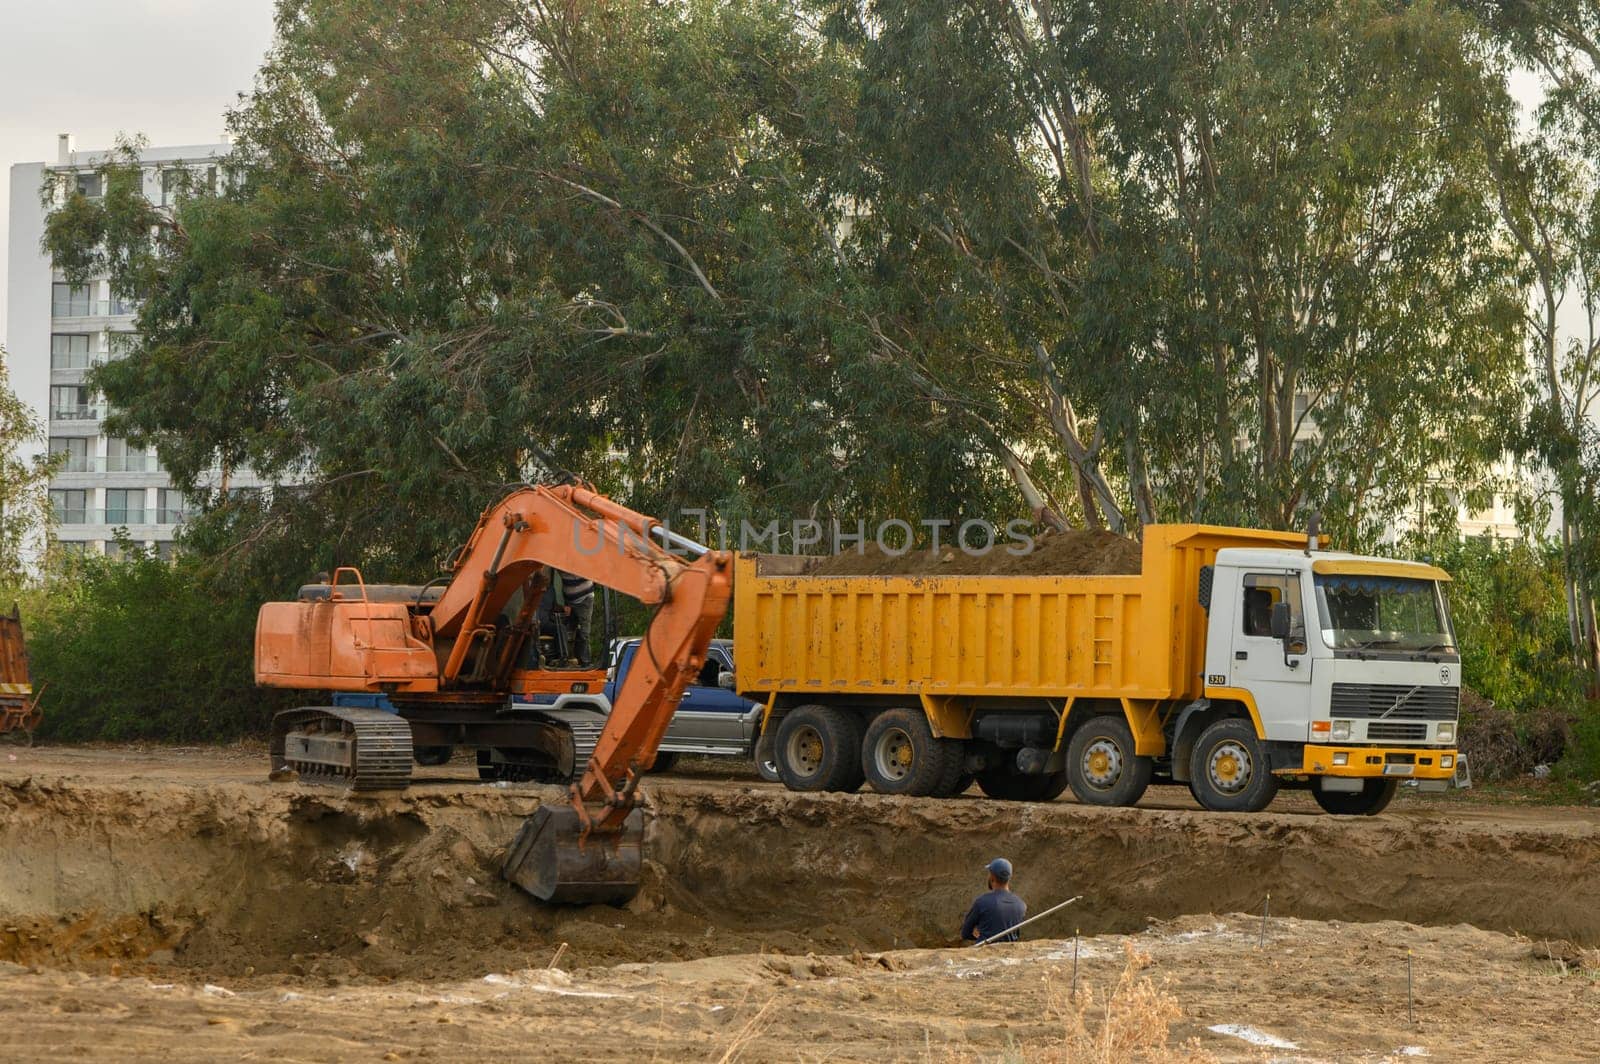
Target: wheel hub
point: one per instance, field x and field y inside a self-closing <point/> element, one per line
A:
<point x="894" y="755"/>
<point x="1230" y="767"/>
<point x="1102" y="763"/>
<point x="805" y="750"/>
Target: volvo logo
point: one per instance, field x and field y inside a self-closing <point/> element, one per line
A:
<point x="1444" y="674"/>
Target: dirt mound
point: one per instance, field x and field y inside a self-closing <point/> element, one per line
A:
<point x="1072" y="553"/>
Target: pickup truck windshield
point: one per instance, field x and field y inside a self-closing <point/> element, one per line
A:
<point x="1382" y="613"/>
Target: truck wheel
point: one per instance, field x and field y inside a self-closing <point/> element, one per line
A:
<point x="900" y="754"/>
<point x="819" y="749"/>
<point x="433" y="755"/>
<point x="1228" y="769"/>
<point x="1009" y="785"/>
<point x="956" y="778"/>
<point x="1373" y="798"/>
<point x="767" y="755"/>
<point x="1101" y="764"/>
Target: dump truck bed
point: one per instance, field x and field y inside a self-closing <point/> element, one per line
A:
<point x="1137" y="636"/>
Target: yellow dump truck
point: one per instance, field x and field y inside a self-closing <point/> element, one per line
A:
<point x="1236" y="661"/>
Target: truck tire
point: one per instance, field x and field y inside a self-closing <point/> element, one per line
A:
<point x="900" y="755"/>
<point x="956" y="778"/>
<point x="819" y="749"/>
<point x="1373" y="798"/>
<point x="766" y="755"/>
<point x="1009" y="785"/>
<point x="1228" y="770"/>
<point x="433" y="755"/>
<point x="1101" y="765"/>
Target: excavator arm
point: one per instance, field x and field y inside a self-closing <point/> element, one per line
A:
<point x="589" y="850"/>
<point x="464" y="644"/>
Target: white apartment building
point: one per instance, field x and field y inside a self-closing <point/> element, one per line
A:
<point x="56" y="332"/>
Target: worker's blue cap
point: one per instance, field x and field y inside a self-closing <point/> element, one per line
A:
<point x="1000" y="868"/>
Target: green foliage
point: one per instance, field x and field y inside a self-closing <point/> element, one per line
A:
<point x="25" y="517"/>
<point x="1510" y="616"/>
<point x="1206" y="229"/>
<point x="144" y="649"/>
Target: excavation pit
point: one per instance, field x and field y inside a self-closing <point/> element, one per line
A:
<point x="242" y="884"/>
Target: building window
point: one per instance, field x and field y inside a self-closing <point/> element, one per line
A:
<point x="75" y="548"/>
<point x="121" y="305"/>
<point x="76" y="448"/>
<point x="125" y="457"/>
<point x="166" y="549"/>
<point x="69" y="351"/>
<point x="88" y="185"/>
<point x="125" y="506"/>
<point x="169" y="506"/>
<point x="72" y="402"/>
<point x="69" y="300"/>
<point x="71" y="507"/>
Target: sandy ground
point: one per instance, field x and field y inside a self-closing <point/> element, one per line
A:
<point x="169" y="904"/>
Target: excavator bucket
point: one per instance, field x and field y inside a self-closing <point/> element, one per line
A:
<point x="547" y="860"/>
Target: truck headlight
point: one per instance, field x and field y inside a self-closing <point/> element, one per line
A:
<point x="1447" y="732"/>
<point x="1341" y="758"/>
<point x="1341" y="729"/>
<point x="1447" y="761"/>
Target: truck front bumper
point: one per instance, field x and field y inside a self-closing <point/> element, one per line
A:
<point x="1417" y="763"/>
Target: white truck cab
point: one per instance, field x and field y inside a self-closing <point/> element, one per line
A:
<point x="1347" y="665"/>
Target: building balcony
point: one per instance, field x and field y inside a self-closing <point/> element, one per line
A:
<point x="127" y="463"/>
<point x="93" y="308"/>
<point x="113" y="518"/>
<point x="91" y="412"/>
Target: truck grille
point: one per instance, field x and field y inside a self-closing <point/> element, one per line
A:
<point x="1396" y="732"/>
<point x="1365" y="701"/>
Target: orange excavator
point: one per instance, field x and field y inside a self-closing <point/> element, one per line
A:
<point x="447" y="655"/>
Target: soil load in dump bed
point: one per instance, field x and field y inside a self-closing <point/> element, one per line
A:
<point x="1072" y="553"/>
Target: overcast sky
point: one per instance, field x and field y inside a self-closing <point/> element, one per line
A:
<point x="96" y="68"/>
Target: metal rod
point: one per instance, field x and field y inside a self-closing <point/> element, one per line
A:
<point x="1076" y="932"/>
<point x="1029" y="920"/>
<point x="1411" y="998"/>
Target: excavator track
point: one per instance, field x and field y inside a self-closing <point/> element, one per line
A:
<point x="343" y="746"/>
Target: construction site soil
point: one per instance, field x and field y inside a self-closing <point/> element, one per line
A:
<point x="1071" y="553"/>
<point x="172" y="904"/>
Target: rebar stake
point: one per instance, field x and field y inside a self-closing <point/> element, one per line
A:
<point x="1075" y="933"/>
<point x="1411" y="998"/>
<point x="1265" y="907"/>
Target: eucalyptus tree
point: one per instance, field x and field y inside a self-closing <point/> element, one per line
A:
<point x="1231" y="261"/>
<point x="463" y="242"/>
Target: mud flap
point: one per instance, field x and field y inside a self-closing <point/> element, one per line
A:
<point x="547" y="861"/>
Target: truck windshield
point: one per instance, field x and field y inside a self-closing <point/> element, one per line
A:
<point x="1382" y="612"/>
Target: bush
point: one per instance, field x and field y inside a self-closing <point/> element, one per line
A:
<point x="144" y="649"/>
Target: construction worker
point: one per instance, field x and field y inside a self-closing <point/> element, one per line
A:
<point x="564" y="612"/>
<point x="579" y="595"/>
<point x="996" y="910"/>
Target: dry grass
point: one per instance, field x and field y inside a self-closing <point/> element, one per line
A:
<point x="1131" y="1021"/>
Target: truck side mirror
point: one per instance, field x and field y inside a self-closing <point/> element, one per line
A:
<point x="1280" y="620"/>
<point x="725" y="680"/>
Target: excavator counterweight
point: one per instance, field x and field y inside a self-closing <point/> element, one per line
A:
<point x="446" y="655"/>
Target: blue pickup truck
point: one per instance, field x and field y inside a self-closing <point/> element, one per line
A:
<point x="710" y="720"/>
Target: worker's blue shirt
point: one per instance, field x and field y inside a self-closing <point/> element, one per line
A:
<point x="991" y="914"/>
